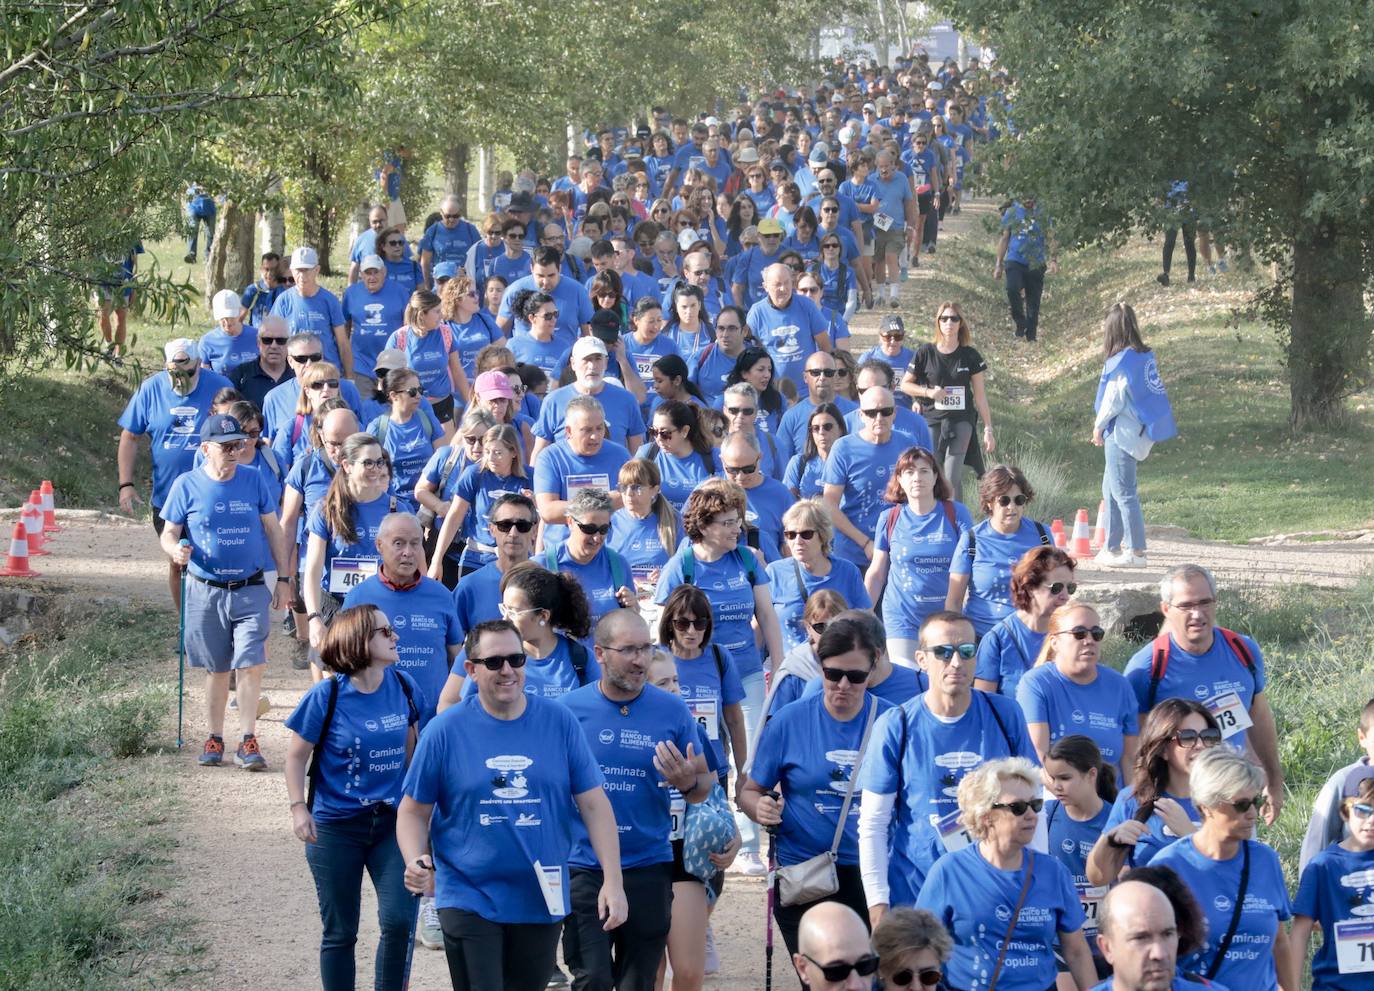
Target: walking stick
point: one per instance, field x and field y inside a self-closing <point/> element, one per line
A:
<point x="410" y="945"/>
<point x="768" y="902"/>
<point x="181" y="654"/>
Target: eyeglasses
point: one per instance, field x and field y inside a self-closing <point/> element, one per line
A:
<point x="271" y="340"/>
<point x="664" y="433"/>
<point x="1201" y="605"/>
<point x="732" y="523"/>
<point x="523" y="526"/>
<point x="395" y="244"/>
<point x="946" y="651"/>
<point x="794" y="534"/>
<point x="411" y="392"/>
<point x="497" y="661"/>
<point x="372" y="464"/>
<point x="821" y="372"/>
<point x="683" y="624"/>
<point x="508" y="613"/>
<point x="324" y="384"/>
<point x="1362" y="809"/>
<point x="741" y="410"/>
<point x="386" y="631"/>
<point x="839" y="971"/>
<point x="741" y="469"/>
<point x="1006" y="500"/>
<point x="929" y="977"/>
<point x="633" y="650"/>
<point x="1244" y="805"/>
<point x="1190" y="738"/>
<point x="878" y="412"/>
<point x="253" y="434"/>
<point x="950" y="318"/>
<point x="306" y="359"/>
<point x="1056" y="587"/>
<point x="725" y="328"/>
<point x="1020" y="807"/>
<point x="1083" y="632"/>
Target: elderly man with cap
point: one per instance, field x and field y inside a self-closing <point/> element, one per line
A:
<point x="232" y="342"/>
<point x="302" y="351"/>
<point x="833" y="950"/>
<point x="623" y="421"/>
<point x="448" y="238"/>
<point x="255" y="378"/>
<point x="747" y="283"/>
<point x="309" y="307"/>
<point x="228" y="518"/>
<point x="788" y="325"/>
<point x="546" y="275"/>
<point x="372" y="309"/>
<point x="1138" y="936"/>
<point x="170" y="406"/>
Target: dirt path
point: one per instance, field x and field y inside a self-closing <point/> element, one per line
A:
<point x="244" y="879"/>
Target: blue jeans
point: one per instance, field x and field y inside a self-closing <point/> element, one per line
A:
<point x="194" y="218"/>
<point x="1123" y="504"/>
<point x="337" y="858"/>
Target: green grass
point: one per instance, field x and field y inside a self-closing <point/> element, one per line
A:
<point x="85" y="837"/>
<point x="1236" y="471"/>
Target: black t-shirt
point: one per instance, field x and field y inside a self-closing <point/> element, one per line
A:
<point x="929" y="367"/>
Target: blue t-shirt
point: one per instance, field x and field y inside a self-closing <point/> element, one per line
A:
<point x="837" y="283"/>
<point x="679" y="476"/>
<point x="224" y="353"/>
<point x="791" y="433"/>
<point x="1249" y="961"/>
<point x="639" y="543"/>
<point x="574" y="308"/>
<point x="919" y="549"/>
<point x="810" y="756"/>
<point x="405" y="274"/>
<point x="549" y="356"/>
<point x="1206" y="677"/>
<point x="471" y="337"/>
<point x="804" y="480"/>
<point x="319" y="315"/>
<point x="726" y="583"/>
<point x="989" y="588"/>
<point x="311" y="476"/>
<point x="764" y="507"/>
<point x="1070" y="842"/>
<point x="510" y="269"/>
<point x="555" y="675"/>
<point x="257" y="299"/>
<point x="480" y="487"/>
<point x="347" y="565"/>
<point x="410" y="445"/>
<point x="789" y="600"/>
<point x="363" y="760"/>
<point x="712" y="367"/>
<point x="561" y="471"/>
<point x="898" y="363"/>
<point x="1007" y="652"/>
<point x="975" y="900"/>
<point x="1337" y="886"/>
<point x="863" y="468"/>
<point x="710" y="682"/>
<point x="643" y="356"/>
<point x="427" y="355"/>
<point x="1027" y="244"/>
<point x="450" y="244"/>
<point x="1159" y="836"/>
<point x="600" y="577"/>
<point x="477" y="596"/>
<point x="788" y="334"/>
<point x="748" y="273"/>
<point x="223" y="521"/>
<point x="892" y="196"/>
<point x="1102" y="710"/>
<point x="172" y="423"/>
<point x="936" y="758"/>
<point x="373" y="317"/>
<point x="622" y="737"/>
<point x="1181" y="983"/>
<point x="623" y="417"/>
<point x="426" y="626"/>
<point x="502" y="793"/>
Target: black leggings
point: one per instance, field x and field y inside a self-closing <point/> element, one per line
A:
<point x="1189" y="248"/>
<point x="494" y="956"/>
<point x="1022" y="279"/>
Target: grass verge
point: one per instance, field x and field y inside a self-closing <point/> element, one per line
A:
<point x="85" y="838"/>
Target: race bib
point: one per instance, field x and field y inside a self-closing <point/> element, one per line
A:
<point x="677" y="812"/>
<point x="551" y="886"/>
<point x="707" y="713"/>
<point x="952" y="835"/>
<point x="644" y="365"/>
<point x="954" y="398"/>
<point x="882" y="221"/>
<point x="1230" y="714"/>
<point x="576" y="482"/>
<point x="1354" y="946"/>
<point x="646" y="580"/>
<point x="1091" y="898"/>
<point x="347" y="573"/>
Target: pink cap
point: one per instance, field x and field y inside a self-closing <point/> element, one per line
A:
<point x="493" y="383"/>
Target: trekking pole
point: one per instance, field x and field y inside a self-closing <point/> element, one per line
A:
<point x="768" y="901"/>
<point x="181" y="654"/>
<point x="410" y="944"/>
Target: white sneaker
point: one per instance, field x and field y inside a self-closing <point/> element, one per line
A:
<point x="750" y="865"/>
<point x="1110" y="559"/>
<point x="1130" y="559"/>
<point x="712" y="957"/>
<point x="429" y="932"/>
<point x="557" y="979"/>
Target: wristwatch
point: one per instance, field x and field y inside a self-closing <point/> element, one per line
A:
<point x="282" y="579"/>
<point x="312" y="615"/>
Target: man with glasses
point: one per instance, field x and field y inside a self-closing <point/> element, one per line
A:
<point x="747" y="287"/>
<point x="820" y="378"/>
<point x="1193" y="658"/>
<point x="622" y="420"/>
<point x="302" y="351"/>
<point x="645" y="740"/>
<point x="907" y="426"/>
<point x="170" y="407"/>
<point x="585" y="459"/>
<point x="574" y="303"/>
<point x="856" y="475"/>
<point x="925" y="746"/>
<point x="833" y="950"/>
<point x="717" y="359"/>
<point x="372" y="309"/>
<point x="256" y="378"/>
<point x="766" y="499"/>
<point x="634" y="282"/>
<point x="229" y="520"/>
<point x="892" y="351"/>
<point x="309" y="307"/>
<point x="553" y="236"/>
<point x="787" y="324"/>
<point x="513" y="525"/>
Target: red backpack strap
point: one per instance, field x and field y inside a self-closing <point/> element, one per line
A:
<point x="1237" y="645"/>
<point x="447" y="332"/>
<point x="1159" y="663"/>
<point x="401" y="336"/>
<point x="705" y="353"/>
<point x="297" y="428"/>
<point x="948" y="506"/>
<point x="892" y="515"/>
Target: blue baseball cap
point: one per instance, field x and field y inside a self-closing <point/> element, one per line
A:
<point x="445" y="270"/>
<point x="221" y="428"/>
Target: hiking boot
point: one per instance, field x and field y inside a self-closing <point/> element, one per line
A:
<point x="249" y="755"/>
<point x="1162" y="278"/>
<point x="213" y="754"/>
<point x="428" y="930"/>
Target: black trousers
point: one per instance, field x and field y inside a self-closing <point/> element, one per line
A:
<point x="495" y="956"/>
<point x="627" y="957"/>
<point x="1189" y="248"/>
<point x="851" y="893"/>
<point x="1022" y="279"/>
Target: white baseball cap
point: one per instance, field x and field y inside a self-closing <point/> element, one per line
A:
<point x="304" y="258"/>
<point x="370" y="262"/>
<point x="589" y="345"/>
<point x="179" y="349"/>
<point x="226" y="304"/>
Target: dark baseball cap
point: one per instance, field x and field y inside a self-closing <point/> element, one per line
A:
<point x="222" y="428"/>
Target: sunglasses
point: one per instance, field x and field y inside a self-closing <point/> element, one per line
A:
<point x="1084" y="632"/>
<point x="386" y="631"/>
<point x="324" y="384"/>
<point x="682" y="624"/>
<point x="306" y="359"/>
<point x="372" y="463"/>
<point x="547" y="315"/>
<point x="1362" y="809"/>
<point x="897" y="336"/>
<point x="1192" y="737"/>
<point x="473" y="441"/>
<point x="524" y="526"/>
<point x="664" y="432"/>
<point x="946" y="651"/>
<point x="928" y="977"/>
<point x="878" y="412"/>
<point x="823" y="428"/>
<point x="742" y="469"/>
<point x="839" y="971"/>
<point x="1244" y="805"/>
<point x="1016" y="500"/>
<point x="1057" y="587"/>
<point x="830" y="209"/>
<point x="829" y="247"/>
<point x="741" y="410"/>
<point x="515" y="236"/>
<point x="819" y="627"/>
<point x="950" y="318"/>
<point x="592" y="530"/>
<point x="497" y="661"/>
<point x="794" y="534"/>
<point x="1021" y="807"/>
<point x="411" y="392"/>
<point x="271" y="340"/>
<point x="821" y="372"/>
<point x="835" y="676"/>
<point x="395" y="244"/>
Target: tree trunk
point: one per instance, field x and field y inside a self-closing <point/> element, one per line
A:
<point x="456" y="172"/>
<point x="317" y="213"/>
<point x="232" y="263"/>
<point x="1329" y="330"/>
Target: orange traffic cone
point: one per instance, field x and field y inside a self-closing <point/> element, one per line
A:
<point x="1057" y="531"/>
<point x="1082" y="541"/>
<point x="17" y="563"/>
<point x="1100" y="531"/>
<point x="32" y="518"/>
<point x="49" y="509"/>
